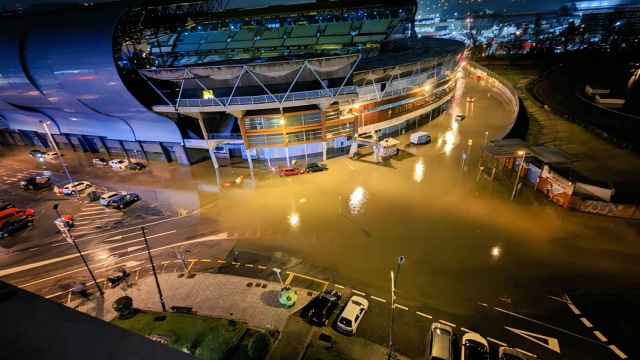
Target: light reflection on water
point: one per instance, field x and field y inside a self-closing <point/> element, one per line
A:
<point x="357" y="200"/>
<point x="418" y="171"/>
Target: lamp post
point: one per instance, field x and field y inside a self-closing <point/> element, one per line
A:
<point x="394" y="282"/>
<point x="522" y="153"/>
<point x="55" y="147"/>
<point x="67" y="236"/>
<point x="153" y="269"/>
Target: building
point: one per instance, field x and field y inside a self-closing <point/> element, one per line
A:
<point x="253" y="79"/>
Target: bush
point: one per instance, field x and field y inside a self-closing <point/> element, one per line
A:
<point x="259" y="346"/>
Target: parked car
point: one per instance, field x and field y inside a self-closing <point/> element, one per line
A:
<point x="36" y="182"/>
<point x="352" y="314"/>
<point x="315" y="167"/>
<point x="440" y="342"/>
<point x="460" y="117"/>
<point x="35" y="153"/>
<point x="290" y="171"/>
<point x="4" y="205"/>
<point x="76" y="187"/>
<point x="319" y="310"/>
<point x="474" y="347"/>
<point x="118" y="164"/>
<point x="106" y="198"/>
<point x="136" y="166"/>
<point x="19" y="220"/>
<point x="100" y="162"/>
<point x="52" y="155"/>
<point x="123" y="201"/>
<point x="420" y="138"/>
<point x="507" y="353"/>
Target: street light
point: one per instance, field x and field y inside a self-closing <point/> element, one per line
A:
<point x="522" y="153"/>
<point x="394" y="282"/>
<point x="55" y="147"/>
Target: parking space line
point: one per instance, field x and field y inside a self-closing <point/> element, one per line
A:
<point x="358" y="292"/>
<point x="220" y="261"/>
<point x="586" y="322"/>
<point x="248" y="265"/>
<point x="465" y="329"/>
<point x="447" y="323"/>
<point x="95" y="212"/>
<point x="483" y="304"/>
<point x="574" y="309"/>
<point x="338" y="286"/>
<point x="424" y="315"/>
<point x="617" y="351"/>
<point x="401" y="307"/>
<point x="496" y="341"/>
<point x="378" y="299"/>
<point x="600" y="336"/>
<point x="557" y="298"/>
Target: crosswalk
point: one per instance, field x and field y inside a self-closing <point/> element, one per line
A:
<point x="13" y="176"/>
<point x="94" y="218"/>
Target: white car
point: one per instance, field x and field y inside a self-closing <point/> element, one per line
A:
<point x="51" y="155"/>
<point x="352" y="315"/>
<point x="460" y="117"/>
<point x="474" y="347"/>
<point x="119" y="164"/>
<point x="76" y="187"/>
<point x="100" y="162"/>
<point x="106" y="198"/>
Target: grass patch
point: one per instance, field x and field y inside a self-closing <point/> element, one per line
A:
<point x="204" y="337"/>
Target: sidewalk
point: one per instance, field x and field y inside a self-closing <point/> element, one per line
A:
<point x="215" y="295"/>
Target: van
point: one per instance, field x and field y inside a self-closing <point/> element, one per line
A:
<point x="439" y="342"/>
<point x="420" y="138"/>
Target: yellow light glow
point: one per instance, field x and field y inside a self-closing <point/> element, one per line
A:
<point x="282" y="122"/>
<point x="496" y="251"/>
<point x="294" y="219"/>
<point x="207" y="94"/>
<point x="357" y="199"/>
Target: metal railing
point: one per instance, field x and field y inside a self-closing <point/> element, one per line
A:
<point x="265" y="99"/>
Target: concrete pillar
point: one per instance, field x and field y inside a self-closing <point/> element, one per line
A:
<point x="324" y="151"/>
<point x="141" y="149"/>
<point x="287" y="155"/>
<point x="181" y="155"/>
<point x="205" y="136"/>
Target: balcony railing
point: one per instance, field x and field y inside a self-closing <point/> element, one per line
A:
<point x="265" y="99"/>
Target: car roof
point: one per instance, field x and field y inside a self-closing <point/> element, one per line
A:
<point x="441" y="341"/>
<point x="109" y="194"/>
<point x="352" y="308"/>
<point x="475" y="337"/>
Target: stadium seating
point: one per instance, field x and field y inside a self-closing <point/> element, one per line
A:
<point x="339" y="28"/>
<point x="339" y="39"/>
<point x="304" y="30"/>
<point x="302" y="41"/>
<point x="374" y="26"/>
<point x="268" y="43"/>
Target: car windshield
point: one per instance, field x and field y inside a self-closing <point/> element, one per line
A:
<point x="344" y="321"/>
<point x="356" y="302"/>
<point x="474" y="350"/>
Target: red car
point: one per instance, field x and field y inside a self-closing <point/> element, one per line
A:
<point x="290" y="171"/>
<point x="13" y="220"/>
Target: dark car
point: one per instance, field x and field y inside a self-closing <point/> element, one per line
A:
<point x="36" y="182"/>
<point x="319" y="310"/>
<point x="4" y="205"/>
<point x="136" y="166"/>
<point x="36" y="153"/>
<point x="19" y="220"/>
<point x="124" y="200"/>
<point x="315" y="167"/>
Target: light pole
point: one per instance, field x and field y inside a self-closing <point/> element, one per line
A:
<point x="55" y="147"/>
<point x="67" y="236"/>
<point x="522" y="153"/>
<point x="394" y="282"/>
<point x="153" y="268"/>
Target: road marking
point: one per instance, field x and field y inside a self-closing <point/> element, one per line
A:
<point x="248" y="265"/>
<point x="261" y="267"/>
<point x="358" y="292"/>
<point x="447" y="323"/>
<point x="401" y="307"/>
<point x="483" y="304"/>
<point x="424" y="315"/>
<point x="72" y="256"/>
<point x="600" y="336"/>
<point x="548" y="325"/>
<point x="574" y="309"/>
<point x="378" y="299"/>
<point x="617" y="351"/>
<point x="338" y="286"/>
<point x="528" y="353"/>
<point x="205" y="260"/>
<point x="235" y="263"/>
<point x="220" y="261"/>
<point x="100" y="216"/>
<point x="496" y="341"/>
<point x="559" y="299"/>
<point x="95" y="212"/>
<point x="586" y="322"/>
<point x="465" y="330"/>
<point x="546" y="341"/>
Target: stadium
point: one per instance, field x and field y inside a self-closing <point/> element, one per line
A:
<point x="247" y="79"/>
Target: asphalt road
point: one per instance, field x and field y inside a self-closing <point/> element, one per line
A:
<point x="474" y="258"/>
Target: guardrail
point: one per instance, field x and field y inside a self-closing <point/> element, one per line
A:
<point x="265" y="99"/>
<point x="505" y="88"/>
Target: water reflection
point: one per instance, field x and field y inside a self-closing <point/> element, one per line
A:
<point x="357" y="199"/>
<point x="418" y="171"/>
<point x="294" y="219"/>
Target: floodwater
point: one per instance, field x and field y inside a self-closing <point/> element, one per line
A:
<point x="464" y="241"/>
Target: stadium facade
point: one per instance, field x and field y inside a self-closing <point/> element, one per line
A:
<point x="247" y="78"/>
